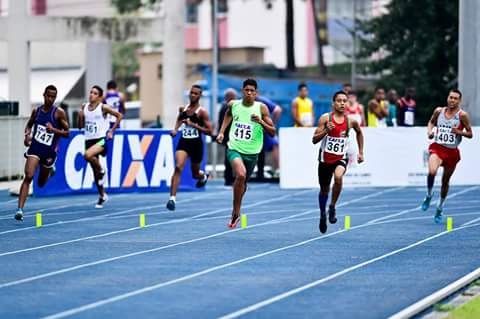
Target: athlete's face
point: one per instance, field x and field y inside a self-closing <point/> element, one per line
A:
<point x="249" y="93"/>
<point x="453" y="100"/>
<point x="49" y="97"/>
<point x="94" y="96"/>
<point x="380" y="95"/>
<point x="340" y="102"/>
<point x="303" y="92"/>
<point x="194" y="95"/>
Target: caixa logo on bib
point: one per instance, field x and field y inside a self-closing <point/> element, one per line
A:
<point x="136" y="161"/>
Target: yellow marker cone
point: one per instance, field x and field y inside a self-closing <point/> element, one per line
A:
<point x="449" y="223"/>
<point x="243" y="220"/>
<point x="38" y="220"/>
<point x="142" y="220"/>
<point x="347" y="222"/>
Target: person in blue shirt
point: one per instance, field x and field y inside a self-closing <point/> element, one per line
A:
<point x="270" y="144"/>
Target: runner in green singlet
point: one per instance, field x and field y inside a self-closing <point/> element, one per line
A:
<point x="249" y="119"/>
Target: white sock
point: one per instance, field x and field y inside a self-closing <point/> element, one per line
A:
<point x="172" y="198"/>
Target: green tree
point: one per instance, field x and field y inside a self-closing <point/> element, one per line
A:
<point x="416" y="42"/>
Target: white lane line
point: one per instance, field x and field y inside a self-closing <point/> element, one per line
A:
<point x="420" y="206"/>
<point x="147" y="226"/>
<point x="437" y="296"/>
<point x="85" y="219"/>
<point x="286" y="294"/>
<point x="106" y="260"/>
<point x="256" y="306"/>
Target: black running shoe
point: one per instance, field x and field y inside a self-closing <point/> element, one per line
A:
<point x="323" y="224"/>
<point x="171" y="204"/>
<point x="101" y="201"/>
<point x="201" y="182"/>
<point x="19" y="214"/>
<point x="332" y="214"/>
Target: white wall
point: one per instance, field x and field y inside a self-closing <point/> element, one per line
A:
<point x="250" y="23"/>
<point x="393" y="157"/>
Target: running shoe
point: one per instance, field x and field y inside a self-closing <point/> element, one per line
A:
<point x="171" y="204"/>
<point x="426" y="202"/>
<point x="201" y="182"/>
<point x="323" y="223"/>
<point x="101" y="201"/>
<point x="234" y="222"/>
<point x="332" y="214"/>
<point x="19" y="214"/>
<point x="438" y="218"/>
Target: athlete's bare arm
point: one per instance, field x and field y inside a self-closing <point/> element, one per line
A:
<point x="118" y="117"/>
<point x="467" y="128"/>
<point x="227" y="120"/>
<point x="178" y="123"/>
<point x="295" y="113"/>
<point x="433" y="122"/>
<point x="324" y="126"/>
<point x="81" y="117"/>
<point x="356" y="126"/>
<point x="28" y="128"/>
<point x="61" y="118"/>
<point x="207" y="129"/>
<point x="265" y="121"/>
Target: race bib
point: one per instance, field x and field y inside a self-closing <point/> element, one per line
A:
<point x="409" y="119"/>
<point x="190" y="132"/>
<point x="42" y="136"/>
<point x="445" y="136"/>
<point x="91" y="128"/>
<point x="243" y="131"/>
<point x="336" y="145"/>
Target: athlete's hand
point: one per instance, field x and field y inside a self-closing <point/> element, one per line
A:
<point x="50" y="127"/>
<point x="330" y="126"/>
<point x="360" y="158"/>
<point x="109" y="134"/>
<point x="173" y="133"/>
<point x="430" y="135"/>
<point x="188" y="122"/>
<point x="27" y="140"/>
<point x="255" y="118"/>
<point x="220" y="138"/>
<point x="457" y="131"/>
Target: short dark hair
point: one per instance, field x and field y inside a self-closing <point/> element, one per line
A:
<point x="346" y="84"/>
<point x="337" y="94"/>
<point x="99" y="89"/>
<point x="379" y="88"/>
<point x="50" y="88"/>
<point x="196" y="86"/>
<point x="301" y="86"/>
<point x="251" y="82"/>
<point x="456" y="91"/>
<point x="111" y="85"/>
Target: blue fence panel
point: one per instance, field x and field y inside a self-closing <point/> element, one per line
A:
<point x="136" y="161"/>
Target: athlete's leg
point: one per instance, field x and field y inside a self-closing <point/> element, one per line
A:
<point x="325" y="173"/>
<point x="447" y="174"/>
<point x="434" y="162"/>
<point x="44" y="175"/>
<point x="30" y="166"/>
<point x="239" y="186"/>
<point x="181" y="157"/>
<point x="337" y="189"/>
<point x="92" y="157"/>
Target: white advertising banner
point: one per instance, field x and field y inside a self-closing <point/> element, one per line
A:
<point x="393" y="157"/>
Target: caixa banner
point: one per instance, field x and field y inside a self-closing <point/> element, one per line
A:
<point x="136" y="161"/>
